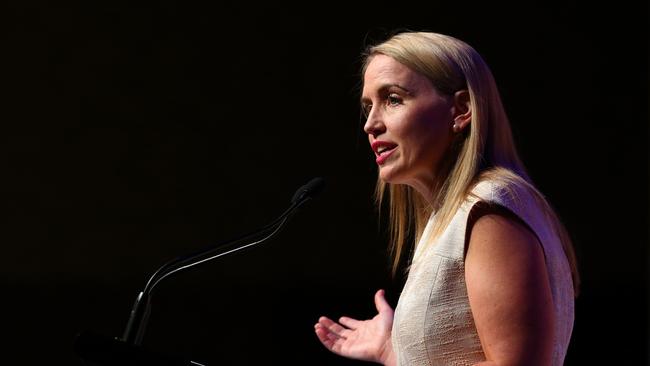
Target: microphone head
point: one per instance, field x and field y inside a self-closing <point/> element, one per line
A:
<point x="309" y="190"/>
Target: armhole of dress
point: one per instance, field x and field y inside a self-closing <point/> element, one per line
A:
<point x="482" y="208"/>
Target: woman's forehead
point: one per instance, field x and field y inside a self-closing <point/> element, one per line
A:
<point x="385" y="70"/>
<point x="382" y="66"/>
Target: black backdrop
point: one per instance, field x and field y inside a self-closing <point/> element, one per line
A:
<point x="133" y="133"/>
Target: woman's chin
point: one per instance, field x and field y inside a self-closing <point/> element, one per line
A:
<point x="388" y="175"/>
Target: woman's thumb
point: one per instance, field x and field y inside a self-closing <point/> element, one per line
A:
<point x="380" y="302"/>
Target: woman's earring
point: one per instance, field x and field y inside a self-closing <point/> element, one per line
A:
<point x="455" y="127"/>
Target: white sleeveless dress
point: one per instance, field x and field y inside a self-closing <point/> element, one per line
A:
<point x="433" y="323"/>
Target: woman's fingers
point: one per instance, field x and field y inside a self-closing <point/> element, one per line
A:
<point x="322" y="334"/>
<point x="349" y="322"/>
<point x="330" y="340"/>
<point x="333" y="327"/>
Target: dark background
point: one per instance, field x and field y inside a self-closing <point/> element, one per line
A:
<point x="134" y="133"/>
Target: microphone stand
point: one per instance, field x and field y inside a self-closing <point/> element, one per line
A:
<point x="87" y="344"/>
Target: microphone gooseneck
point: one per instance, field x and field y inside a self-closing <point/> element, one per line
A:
<point x="135" y="328"/>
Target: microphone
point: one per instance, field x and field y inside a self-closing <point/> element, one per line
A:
<point x="140" y="312"/>
<point x="134" y="332"/>
<point x="312" y="188"/>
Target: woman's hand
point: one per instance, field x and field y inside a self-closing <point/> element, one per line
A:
<point x="367" y="340"/>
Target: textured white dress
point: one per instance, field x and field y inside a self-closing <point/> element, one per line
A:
<point x="433" y="323"/>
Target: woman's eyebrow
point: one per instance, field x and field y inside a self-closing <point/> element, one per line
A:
<point x="384" y="87"/>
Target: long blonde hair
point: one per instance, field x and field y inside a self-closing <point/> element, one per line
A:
<point x="484" y="150"/>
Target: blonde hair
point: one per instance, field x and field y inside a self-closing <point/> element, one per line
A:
<point x="485" y="150"/>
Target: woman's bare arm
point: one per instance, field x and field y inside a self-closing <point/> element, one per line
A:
<point x="509" y="292"/>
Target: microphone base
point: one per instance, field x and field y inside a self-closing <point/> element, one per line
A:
<point x="98" y="350"/>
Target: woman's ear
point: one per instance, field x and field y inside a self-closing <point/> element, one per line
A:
<point x="462" y="110"/>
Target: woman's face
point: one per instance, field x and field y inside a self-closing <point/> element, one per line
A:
<point x="409" y="123"/>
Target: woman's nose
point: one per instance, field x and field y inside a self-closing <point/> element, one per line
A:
<point x="374" y="125"/>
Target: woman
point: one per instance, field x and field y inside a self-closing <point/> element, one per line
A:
<point x="492" y="277"/>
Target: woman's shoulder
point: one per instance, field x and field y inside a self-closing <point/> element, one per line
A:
<point x="510" y="192"/>
<point x="506" y="188"/>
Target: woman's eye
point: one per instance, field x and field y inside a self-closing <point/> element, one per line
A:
<point x="394" y="99"/>
<point x="366" y="109"/>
